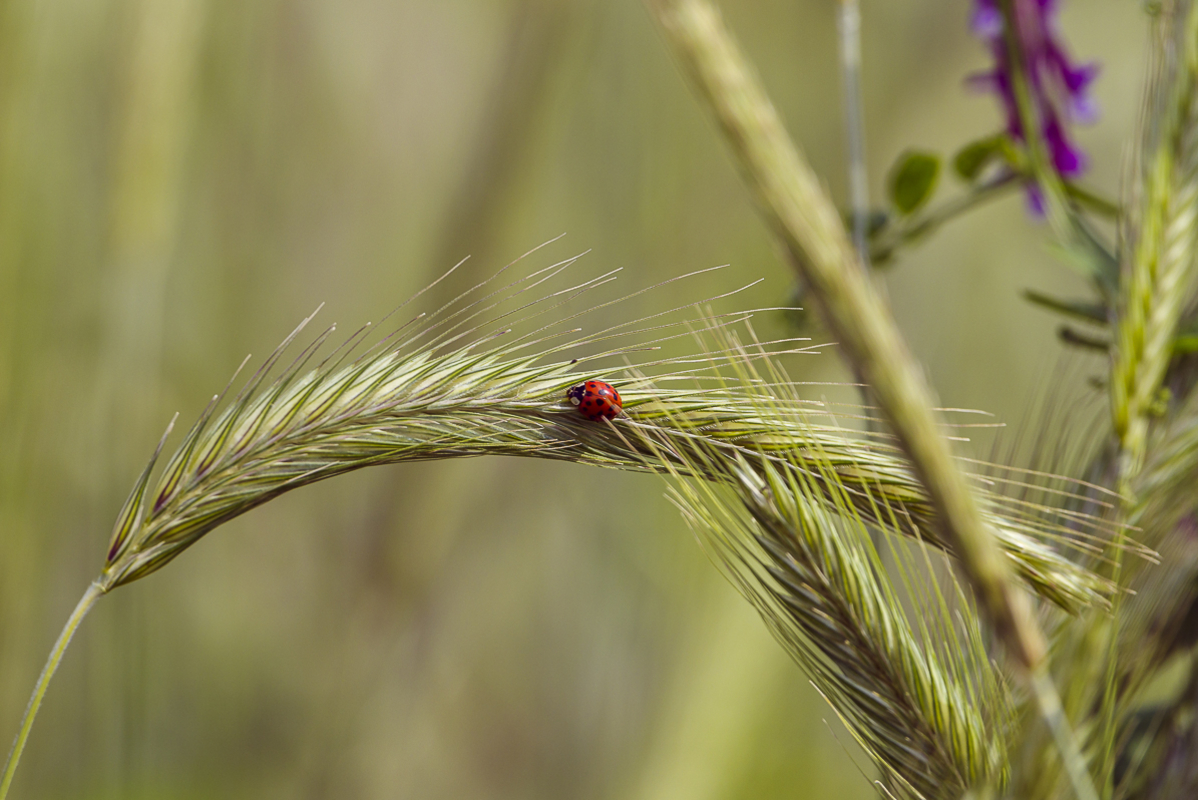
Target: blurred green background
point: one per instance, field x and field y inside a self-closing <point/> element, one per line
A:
<point x="182" y="181"/>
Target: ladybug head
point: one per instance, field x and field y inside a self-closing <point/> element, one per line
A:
<point x="575" y="393"/>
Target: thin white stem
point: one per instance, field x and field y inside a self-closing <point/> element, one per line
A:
<point x="849" y="25"/>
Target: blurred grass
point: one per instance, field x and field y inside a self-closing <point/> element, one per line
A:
<point x="180" y="182"/>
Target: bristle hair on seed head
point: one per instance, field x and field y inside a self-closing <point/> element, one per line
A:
<point x="784" y="492"/>
<point x="918" y="691"/>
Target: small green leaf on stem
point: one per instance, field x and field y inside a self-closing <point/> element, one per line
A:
<point x="972" y="159"/>
<point x="912" y="180"/>
<point x="1095" y="313"/>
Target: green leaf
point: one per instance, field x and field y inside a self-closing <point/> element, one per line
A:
<point x="974" y="157"/>
<point x="1084" y="341"/>
<point x="1186" y="341"/>
<point x="1092" y="201"/>
<point x="1185" y="345"/>
<point x="1095" y="313"/>
<point x="913" y="180"/>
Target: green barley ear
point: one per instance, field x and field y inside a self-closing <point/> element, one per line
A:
<point x="931" y="727"/>
<point x="922" y="698"/>
<point x="1161" y="239"/>
<point x="444" y="387"/>
<point x="485" y="374"/>
<point x="1157" y="283"/>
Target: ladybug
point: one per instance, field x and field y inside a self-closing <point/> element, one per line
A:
<point x="596" y="400"/>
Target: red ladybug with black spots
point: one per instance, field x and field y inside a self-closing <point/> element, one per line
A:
<point x="596" y="400"/>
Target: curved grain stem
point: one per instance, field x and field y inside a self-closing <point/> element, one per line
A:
<point x="489" y="394"/>
<point x="94" y="592"/>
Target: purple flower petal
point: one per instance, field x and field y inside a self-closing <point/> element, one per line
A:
<point x="1068" y="160"/>
<point x="982" y="82"/>
<point x="1078" y="79"/>
<point x="1083" y="110"/>
<point x="1034" y="199"/>
<point x="1060" y="88"/>
<point x="987" y="20"/>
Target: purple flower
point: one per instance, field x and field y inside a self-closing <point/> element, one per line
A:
<point x="1059" y="88"/>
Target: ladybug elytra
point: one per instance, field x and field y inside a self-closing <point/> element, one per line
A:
<point x="596" y="400"/>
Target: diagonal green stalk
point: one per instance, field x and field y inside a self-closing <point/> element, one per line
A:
<point x="806" y="222"/>
<point x="895" y="235"/>
<point x="1048" y="702"/>
<point x="94" y="592"/>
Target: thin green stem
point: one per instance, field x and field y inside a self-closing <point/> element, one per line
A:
<point x="1052" y="712"/>
<point x="94" y="592"/>
<point x="891" y="239"/>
